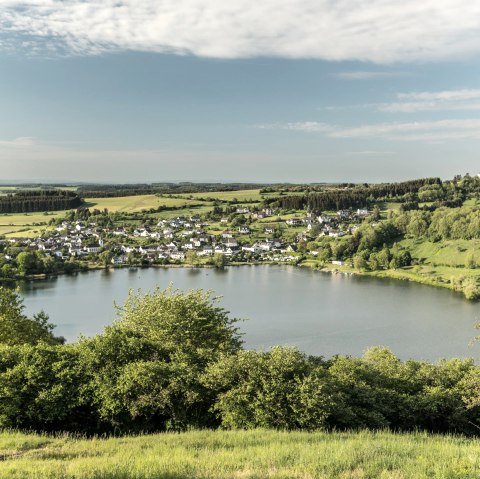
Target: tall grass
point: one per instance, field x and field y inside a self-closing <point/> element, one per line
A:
<point x="241" y="454"/>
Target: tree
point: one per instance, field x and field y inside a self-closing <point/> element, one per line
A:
<point x="106" y="258"/>
<point x="219" y="260"/>
<point x="17" y="329"/>
<point x="192" y="258"/>
<point x="280" y="389"/>
<point x="27" y="263"/>
<point x="147" y="366"/>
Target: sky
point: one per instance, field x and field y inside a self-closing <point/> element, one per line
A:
<point x="215" y="90"/>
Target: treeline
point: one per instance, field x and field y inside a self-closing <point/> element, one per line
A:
<point x="105" y="191"/>
<point x="345" y="197"/>
<point x="41" y="200"/>
<point x="174" y="361"/>
<point x="441" y="224"/>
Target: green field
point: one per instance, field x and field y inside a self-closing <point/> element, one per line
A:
<point x="132" y="204"/>
<point x="30" y="224"/>
<point x="240" y="195"/>
<point x="439" y="262"/>
<point x="241" y="454"/>
<point x="26" y="224"/>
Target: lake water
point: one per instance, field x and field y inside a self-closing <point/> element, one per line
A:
<point x="317" y="312"/>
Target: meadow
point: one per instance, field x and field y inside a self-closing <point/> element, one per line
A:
<point x="239" y="195"/>
<point x="240" y="454"/>
<point x="133" y="204"/>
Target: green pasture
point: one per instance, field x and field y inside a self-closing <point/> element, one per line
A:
<point x="26" y="224"/>
<point x="240" y="195"/>
<point x="241" y="454"/>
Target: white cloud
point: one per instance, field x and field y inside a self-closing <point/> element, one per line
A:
<point x="381" y="31"/>
<point x="369" y="75"/>
<point x="308" y="126"/>
<point x="430" y="101"/>
<point x="18" y="143"/>
<point x="447" y="100"/>
<point x="430" y="131"/>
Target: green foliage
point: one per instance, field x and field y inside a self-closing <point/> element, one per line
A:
<point x="146" y="368"/>
<point x="188" y="323"/>
<point x="18" y="329"/>
<point x="41" y="387"/>
<point x="277" y="389"/>
<point x="219" y="260"/>
<point x="173" y="360"/>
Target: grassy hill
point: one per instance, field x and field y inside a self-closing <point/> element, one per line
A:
<point x="241" y="454"/>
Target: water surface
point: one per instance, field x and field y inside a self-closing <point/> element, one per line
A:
<point x="319" y="313"/>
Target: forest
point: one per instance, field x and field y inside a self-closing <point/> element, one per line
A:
<point x="39" y="200"/>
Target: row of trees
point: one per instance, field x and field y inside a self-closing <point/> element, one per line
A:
<point x="174" y="360"/>
<point x="39" y="200"/>
<point x="355" y="196"/>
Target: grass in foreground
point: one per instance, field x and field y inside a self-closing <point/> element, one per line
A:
<point x="241" y="454"/>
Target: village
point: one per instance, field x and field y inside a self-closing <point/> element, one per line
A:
<point x="247" y="236"/>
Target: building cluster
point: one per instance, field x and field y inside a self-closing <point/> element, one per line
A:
<point x="172" y="239"/>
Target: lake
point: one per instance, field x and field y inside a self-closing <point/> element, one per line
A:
<point x="319" y="313"/>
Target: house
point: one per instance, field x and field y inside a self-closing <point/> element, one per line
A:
<point x="361" y="212"/>
<point x="294" y="222"/>
<point x="227" y="234"/>
<point x="269" y="230"/>
<point x="244" y="230"/>
<point x="119" y="260"/>
<point x="93" y="248"/>
<point x="255" y="248"/>
<point x="243" y="210"/>
<point x="231" y="243"/>
<point x="265" y="245"/>
<point x="206" y="251"/>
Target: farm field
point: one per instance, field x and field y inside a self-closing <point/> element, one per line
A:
<point x="132" y="204"/>
<point x="28" y="224"/>
<point x="240" y="195"/>
<point x="241" y="454"/>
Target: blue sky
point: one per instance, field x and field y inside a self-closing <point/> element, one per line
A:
<point x="192" y="90"/>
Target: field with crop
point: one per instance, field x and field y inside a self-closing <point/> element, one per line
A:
<point x="132" y="204"/>
<point x="26" y="224"/>
<point x="241" y="454"/>
<point x="240" y="195"/>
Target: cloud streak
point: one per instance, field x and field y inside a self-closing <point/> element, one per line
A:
<point x="370" y="75"/>
<point x="367" y="30"/>
<point x="431" y="101"/>
<point x="427" y="131"/>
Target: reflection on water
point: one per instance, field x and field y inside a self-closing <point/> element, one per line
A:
<point x="319" y="313"/>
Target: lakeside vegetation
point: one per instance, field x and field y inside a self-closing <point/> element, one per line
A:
<point x="241" y="454"/>
<point x="175" y="361"/>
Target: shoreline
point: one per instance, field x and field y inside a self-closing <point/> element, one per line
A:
<point x="398" y="275"/>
